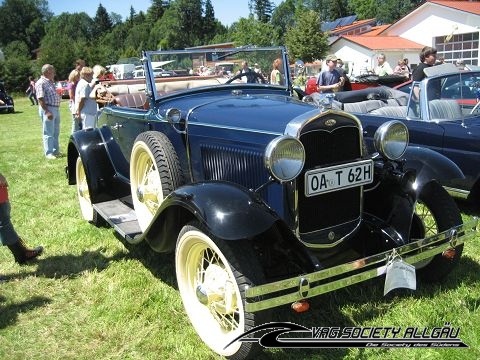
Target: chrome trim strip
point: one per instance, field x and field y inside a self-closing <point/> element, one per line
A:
<point x="298" y="291"/>
<point x="457" y="193"/>
<point x="234" y="128"/>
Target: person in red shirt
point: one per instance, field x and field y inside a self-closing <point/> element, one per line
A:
<point x="8" y="235"/>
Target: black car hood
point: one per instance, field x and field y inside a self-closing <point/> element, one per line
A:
<point x="267" y="113"/>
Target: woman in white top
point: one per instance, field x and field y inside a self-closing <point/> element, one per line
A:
<point x="85" y="106"/>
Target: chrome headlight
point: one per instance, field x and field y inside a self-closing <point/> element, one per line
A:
<point x="391" y="139"/>
<point x="284" y="158"/>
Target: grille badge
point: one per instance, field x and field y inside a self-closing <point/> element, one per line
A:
<point x="331" y="236"/>
<point x="330" y="122"/>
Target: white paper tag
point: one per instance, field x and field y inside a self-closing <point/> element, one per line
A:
<point x="399" y="275"/>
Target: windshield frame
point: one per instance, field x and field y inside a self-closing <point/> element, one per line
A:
<point x="149" y="58"/>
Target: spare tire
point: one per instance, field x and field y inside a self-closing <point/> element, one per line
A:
<point x="155" y="172"/>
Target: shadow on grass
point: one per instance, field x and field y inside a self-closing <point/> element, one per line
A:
<point x="9" y="313"/>
<point x="69" y="266"/>
<point x="161" y="265"/>
<point x="73" y="265"/>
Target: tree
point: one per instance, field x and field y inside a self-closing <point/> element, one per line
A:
<point x="283" y="17"/>
<point x="17" y="66"/>
<point x="102" y="21"/>
<point x="156" y="10"/>
<point x="116" y="19"/>
<point x="304" y="40"/>
<point x="77" y="26"/>
<point x="365" y="9"/>
<point x="209" y="22"/>
<point x="391" y="11"/>
<point x="329" y="10"/>
<point x="167" y="32"/>
<point x="68" y="37"/>
<point x="262" y="8"/>
<point x="253" y="32"/>
<point x="23" y="20"/>
<point x="189" y="16"/>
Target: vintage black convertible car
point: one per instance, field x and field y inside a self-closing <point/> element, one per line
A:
<point x="264" y="200"/>
<point x="6" y="101"/>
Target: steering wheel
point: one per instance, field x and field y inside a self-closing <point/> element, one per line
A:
<point x="476" y="108"/>
<point x="250" y="73"/>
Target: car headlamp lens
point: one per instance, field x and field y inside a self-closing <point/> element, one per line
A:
<point x="391" y="139"/>
<point x="284" y="158"/>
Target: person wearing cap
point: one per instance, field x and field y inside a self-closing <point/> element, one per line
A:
<point x="330" y="80"/>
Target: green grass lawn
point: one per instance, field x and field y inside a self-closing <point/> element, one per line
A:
<point x="91" y="296"/>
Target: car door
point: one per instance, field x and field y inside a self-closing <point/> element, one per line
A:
<point x="124" y="125"/>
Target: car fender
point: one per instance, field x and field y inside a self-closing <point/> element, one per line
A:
<point x="430" y="165"/>
<point x="103" y="184"/>
<point x="227" y="210"/>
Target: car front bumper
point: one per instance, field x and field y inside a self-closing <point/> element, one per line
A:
<point x="309" y="285"/>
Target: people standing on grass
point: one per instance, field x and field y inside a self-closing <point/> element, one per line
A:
<point x="32" y="96"/>
<point x="49" y="102"/>
<point x="73" y="79"/>
<point x="8" y="235"/>
<point x="85" y="106"/>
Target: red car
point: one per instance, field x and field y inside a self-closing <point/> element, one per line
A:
<point x="62" y="88"/>
<point x="361" y="82"/>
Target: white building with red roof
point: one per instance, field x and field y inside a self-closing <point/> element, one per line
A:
<point x="453" y="27"/>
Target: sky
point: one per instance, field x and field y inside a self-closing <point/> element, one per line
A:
<point x="226" y="11"/>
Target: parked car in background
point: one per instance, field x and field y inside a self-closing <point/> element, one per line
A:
<point x="62" y="88"/>
<point x="361" y="82"/>
<point x="264" y="200"/>
<point x="6" y="101"/>
<point x="442" y="113"/>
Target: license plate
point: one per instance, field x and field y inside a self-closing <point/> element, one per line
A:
<point x="324" y="180"/>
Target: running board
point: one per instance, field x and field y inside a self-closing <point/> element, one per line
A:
<point x="121" y="217"/>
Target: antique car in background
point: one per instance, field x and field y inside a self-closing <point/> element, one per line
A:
<point x="359" y="82"/>
<point x="263" y="199"/>
<point x="61" y="87"/>
<point x="6" y="101"/>
<point x="442" y="113"/>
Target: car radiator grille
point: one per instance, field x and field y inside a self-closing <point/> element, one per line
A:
<point x="241" y="166"/>
<point x="324" y="218"/>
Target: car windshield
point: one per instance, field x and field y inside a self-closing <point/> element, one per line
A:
<point x="451" y="97"/>
<point x="241" y="65"/>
